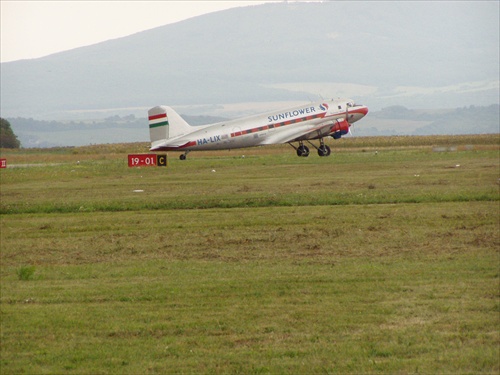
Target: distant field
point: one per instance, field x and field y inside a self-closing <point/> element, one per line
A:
<point x="382" y="258"/>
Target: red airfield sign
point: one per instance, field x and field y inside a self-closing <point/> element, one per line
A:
<point x="147" y="160"/>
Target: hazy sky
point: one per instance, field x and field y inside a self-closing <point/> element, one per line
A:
<point x="31" y="29"/>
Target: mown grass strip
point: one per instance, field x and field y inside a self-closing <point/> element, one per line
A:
<point x="210" y="203"/>
<point x="355" y="178"/>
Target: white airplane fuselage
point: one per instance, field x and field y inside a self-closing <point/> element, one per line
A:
<point x="297" y="124"/>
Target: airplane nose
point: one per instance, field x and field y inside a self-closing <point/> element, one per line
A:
<point x="358" y="112"/>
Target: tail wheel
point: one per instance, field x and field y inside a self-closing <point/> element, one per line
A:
<point x="184" y="155"/>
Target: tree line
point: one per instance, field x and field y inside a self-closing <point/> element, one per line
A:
<point x="7" y="137"/>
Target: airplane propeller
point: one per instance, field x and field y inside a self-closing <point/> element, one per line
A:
<point x="350" y="129"/>
<point x="347" y="119"/>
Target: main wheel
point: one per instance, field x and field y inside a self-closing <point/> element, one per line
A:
<point x="182" y="157"/>
<point x="303" y="151"/>
<point x="324" y="150"/>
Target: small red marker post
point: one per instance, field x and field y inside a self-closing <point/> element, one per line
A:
<point x="3" y="163"/>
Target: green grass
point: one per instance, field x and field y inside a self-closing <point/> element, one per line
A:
<point x="357" y="263"/>
<point x="25" y="272"/>
<point x="104" y="182"/>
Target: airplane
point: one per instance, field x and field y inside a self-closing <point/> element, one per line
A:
<point x="311" y="121"/>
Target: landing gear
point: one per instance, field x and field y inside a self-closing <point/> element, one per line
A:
<point x="303" y="151"/>
<point x="324" y="150"/>
<point x="184" y="155"/>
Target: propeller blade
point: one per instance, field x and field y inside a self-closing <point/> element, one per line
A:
<point x="347" y="119"/>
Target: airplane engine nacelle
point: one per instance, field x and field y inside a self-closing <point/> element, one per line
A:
<point x="339" y="129"/>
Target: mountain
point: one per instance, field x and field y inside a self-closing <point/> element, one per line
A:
<point x="415" y="54"/>
<point x="399" y="120"/>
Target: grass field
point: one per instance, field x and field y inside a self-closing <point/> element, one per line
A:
<point x="382" y="258"/>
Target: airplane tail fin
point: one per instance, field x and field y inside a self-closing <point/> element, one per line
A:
<point x="165" y="123"/>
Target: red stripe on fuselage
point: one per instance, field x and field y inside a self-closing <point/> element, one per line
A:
<point x="277" y="125"/>
<point x="155" y="117"/>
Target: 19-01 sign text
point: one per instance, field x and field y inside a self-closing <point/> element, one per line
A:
<point x="147" y="160"/>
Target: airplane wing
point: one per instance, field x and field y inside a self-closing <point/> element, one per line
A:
<point x="324" y="129"/>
